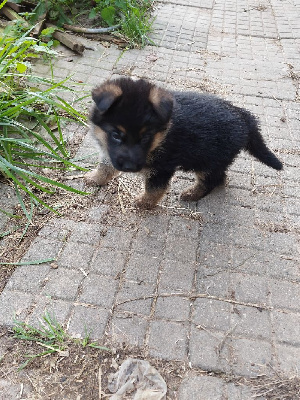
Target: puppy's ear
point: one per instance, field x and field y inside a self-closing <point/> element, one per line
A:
<point x="162" y="102"/>
<point x="104" y="96"/>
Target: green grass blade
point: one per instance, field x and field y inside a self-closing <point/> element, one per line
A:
<point x="34" y="262"/>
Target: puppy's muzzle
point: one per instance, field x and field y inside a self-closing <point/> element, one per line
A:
<point x="128" y="165"/>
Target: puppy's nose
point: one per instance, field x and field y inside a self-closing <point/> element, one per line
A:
<point x="129" y="166"/>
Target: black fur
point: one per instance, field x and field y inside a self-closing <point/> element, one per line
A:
<point x="199" y="132"/>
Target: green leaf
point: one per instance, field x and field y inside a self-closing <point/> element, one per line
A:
<point x="108" y="14"/>
<point x="48" y="31"/>
<point x="92" y="13"/>
<point x="21" y="67"/>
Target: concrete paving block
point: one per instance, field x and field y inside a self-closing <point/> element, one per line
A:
<point x="86" y="233"/>
<point x="29" y="277"/>
<point x="213" y="258"/>
<point x="251" y="322"/>
<point x="155" y="225"/>
<point x="117" y="238"/>
<point x="212" y="314"/>
<point x="63" y="283"/>
<point x="201" y="388"/>
<point x="284" y="294"/>
<point x="57" y="309"/>
<point x="240" y="392"/>
<point x="252" y="261"/>
<point x="248" y="288"/>
<point x="217" y="285"/>
<point x="87" y="321"/>
<point x="177" y="275"/>
<point x="140" y="292"/>
<point x="76" y="255"/>
<point x="141" y="268"/>
<point x="99" y="290"/>
<point x="287" y="327"/>
<point x="183" y="249"/>
<point x="130" y="330"/>
<point x="184" y="227"/>
<point x="149" y="245"/>
<point x="108" y="261"/>
<point x="208" y="350"/>
<point x="289" y="359"/>
<point x="168" y="340"/>
<point x="172" y="308"/>
<point x="251" y="357"/>
<point x="42" y="249"/>
<point x="14" y="305"/>
<point x="58" y="229"/>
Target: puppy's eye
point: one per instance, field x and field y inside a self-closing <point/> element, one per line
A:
<point x="116" y="137"/>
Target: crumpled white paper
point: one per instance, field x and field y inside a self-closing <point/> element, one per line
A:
<point x="137" y="380"/>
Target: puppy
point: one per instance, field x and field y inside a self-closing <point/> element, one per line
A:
<point x="142" y="127"/>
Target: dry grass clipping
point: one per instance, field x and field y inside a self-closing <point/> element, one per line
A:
<point x="276" y="387"/>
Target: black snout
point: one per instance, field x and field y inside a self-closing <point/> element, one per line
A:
<point x="128" y="165"/>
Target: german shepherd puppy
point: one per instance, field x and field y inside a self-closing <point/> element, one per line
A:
<point x="142" y="127"/>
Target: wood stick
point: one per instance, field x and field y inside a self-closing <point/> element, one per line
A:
<point x="68" y="40"/>
<point x="39" y="26"/>
<point x="12" y="15"/>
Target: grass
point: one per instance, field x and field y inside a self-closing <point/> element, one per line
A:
<point x="51" y="336"/>
<point x="32" y="114"/>
<point x="132" y="17"/>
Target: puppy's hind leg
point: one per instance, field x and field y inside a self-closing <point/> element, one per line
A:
<point x="205" y="183"/>
<point x="101" y="175"/>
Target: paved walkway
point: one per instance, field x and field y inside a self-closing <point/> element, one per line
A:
<point x="217" y="283"/>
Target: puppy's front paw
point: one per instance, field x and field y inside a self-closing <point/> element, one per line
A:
<point x="193" y="193"/>
<point x="144" y="203"/>
<point x="95" y="178"/>
<point x="100" y="176"/>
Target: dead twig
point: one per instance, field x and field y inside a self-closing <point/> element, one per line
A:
<point x="192" y="296"/>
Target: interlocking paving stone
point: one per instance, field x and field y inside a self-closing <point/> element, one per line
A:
<point x="76" y="256"/>
<point x="58" y="310"/>
<point x="251" y="357"/>
<point x="108" y="261"/>
<point x="63" y="283"/>
<point x="207" y="351"/>
<point x="135" y="297"/>
<point x="98" y="290"/>
<point x="201" y="387"/>
<point x="29" y="277"/>
<point x="168" y="340"/>
<point x="143" y="269"/>
<point x="14" y="305"/>
<point x="241" y="255"/>
<point x="87" y="321"/>
<point x="172" y="308"/>
<point x="128" y="329"/>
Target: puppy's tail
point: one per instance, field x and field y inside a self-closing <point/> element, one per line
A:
<point x="256" y="145"/>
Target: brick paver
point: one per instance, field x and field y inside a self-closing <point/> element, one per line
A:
<point x="215" y="284"/>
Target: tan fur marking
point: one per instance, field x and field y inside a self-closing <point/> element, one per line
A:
<point x="101" y="136"/>
<point x="101" y="175"/>
<point x="157" y="141"/>
<point x="121" y="128"/>
<point x="149" y="199"/>
<point x="195" y="192"/>
<point x="142" y="131"/>
<point x="155" y="96"/>
<point x="108" y="87"/>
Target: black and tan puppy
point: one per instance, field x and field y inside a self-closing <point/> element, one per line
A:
<point x="142" y="127"/>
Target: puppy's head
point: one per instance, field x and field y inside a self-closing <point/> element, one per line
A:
<point x="132" y="119"/>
